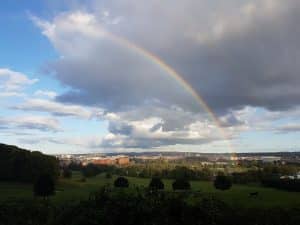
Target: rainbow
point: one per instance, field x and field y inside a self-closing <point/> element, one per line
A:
<point x="171" y="72"/>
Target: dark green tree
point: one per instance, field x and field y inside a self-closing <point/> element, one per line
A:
<point x="156" y="183"/>
<point x="44" y="186"/>
<point x="108" y="175"/>
<point x="90" y="170"/>
<point x="181" y="184"/>
<point x="67" y="173"/>
<point x="222" y="182"/>
<point x="121" y="182"/>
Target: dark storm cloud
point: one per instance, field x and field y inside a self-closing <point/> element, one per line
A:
<point x="233" y="53"/>
<point x="253" y="63"/>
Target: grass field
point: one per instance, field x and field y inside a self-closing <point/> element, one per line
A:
<point x="73" y="190"/>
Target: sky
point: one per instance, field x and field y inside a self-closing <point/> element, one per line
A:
<point x="86" y="76"/>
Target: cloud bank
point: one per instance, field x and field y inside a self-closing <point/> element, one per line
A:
<point x="238" y="55"/>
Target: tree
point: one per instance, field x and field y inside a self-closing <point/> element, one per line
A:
<point x="21" y="165"/>
<point x="156" y="183"/>
<point x="90" y="170"/>
<point x="121" y="182"/>
<point x="222" y="182"/>
<point x="108" y="175"/>
<point x="67" y="173"/>
<point x="44" y="186"/>
<point x="181" y="184"/>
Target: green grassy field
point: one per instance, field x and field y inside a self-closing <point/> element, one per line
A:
<point x="74" y="190"/>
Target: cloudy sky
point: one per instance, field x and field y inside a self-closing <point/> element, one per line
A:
<point x="96" y="76"/>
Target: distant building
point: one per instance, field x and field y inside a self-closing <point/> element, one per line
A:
<point x="103" y="161"/>
<point x="234" y="157"/>
<point x="116" y="160"/>
<point x="270" y="159"/>
<point x="124" y="160"/>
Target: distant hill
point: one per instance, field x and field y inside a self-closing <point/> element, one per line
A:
<point x="21" y="165"/>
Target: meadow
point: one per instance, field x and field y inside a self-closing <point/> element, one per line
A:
<point x="74" y="189"/>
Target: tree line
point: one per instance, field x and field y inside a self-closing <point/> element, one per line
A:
<point x="20" y="165"/>
<point x="267" y="175"/>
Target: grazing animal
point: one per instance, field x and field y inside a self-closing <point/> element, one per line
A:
<point x="253" y="194"/>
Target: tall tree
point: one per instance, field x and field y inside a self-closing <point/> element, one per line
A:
<point x="156" y="183"/>
<point x="44" y="186"/>
<point x="222" y="182"/>
<point x="121" y="182"/>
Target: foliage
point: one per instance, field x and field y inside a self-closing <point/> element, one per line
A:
<point x="181" y="184"/>
<point x="284" y="184"/>
<point x="92" y="170"/>
<point x="108" y="175"/>
<point x="67" y="173"/>
<point x="121" y="182"/>
<point x="75" y="166"/>
<point x="114" y="206"/>
<point x="166" y="170"/>
<point x="44" y="186"/>
<point x="222" y="182"/>
<point x="24" y="166"/>
<point x="156" y="183"/>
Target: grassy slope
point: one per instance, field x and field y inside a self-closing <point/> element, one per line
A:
<point x="73" y="189"/>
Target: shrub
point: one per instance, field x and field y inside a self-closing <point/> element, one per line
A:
<point x="90" y="170"/>
<point x="108" y="175"/>
<point x="121" y="182"/>
<point x="283" y="184"/>
<point x="222" y="182"/>
<point x="67" y="173"/>
<point x="83" y="179"/>
<point x="156" y="183"/>
<point x="181" y="184"/>
<point x="44" y="186"/>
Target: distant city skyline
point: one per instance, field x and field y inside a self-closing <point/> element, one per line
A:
<point x="86" y="76"/>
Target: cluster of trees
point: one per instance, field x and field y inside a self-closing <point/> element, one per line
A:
<point x="250" y="175"/>
<point x="44" y="185"/>
<point x="259" y="174"/>
<point x="284" y="184"/>
<point x="165" y="171"/>
<point x="221" y="182"/>
<point x="142" y="207"/>
<point x="24" y="166"/>
<point x="92" y="170"/>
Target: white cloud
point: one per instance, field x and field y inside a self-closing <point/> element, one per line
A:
<point x="31" y="123"/>
<point x="60" y="109"/>
<point x="46" y="93"/>
<point x="13" y="82"/>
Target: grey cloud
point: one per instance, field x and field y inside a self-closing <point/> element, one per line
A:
<point x="289" y="128"/>
<point x="31" y="123"/>
<point x="252" y="63"/>
<point x="58" y="109"/>
<point x="234" y="54"/>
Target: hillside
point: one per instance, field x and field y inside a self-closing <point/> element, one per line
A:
<point x="21" y="165"/>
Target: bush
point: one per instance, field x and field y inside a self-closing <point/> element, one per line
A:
<point x="90" y="170"/>
<point x="181" y="184"/>
<point x="83" y="179"/>
<point x="108" y="175"/>
<point x="283" y="184"/>
<point x="222" y="182"/>
<point x="121" y="182"/>
<point x="44" y="186"/>
<point x="156" y="183"/>
<point x="67" y="173"/>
